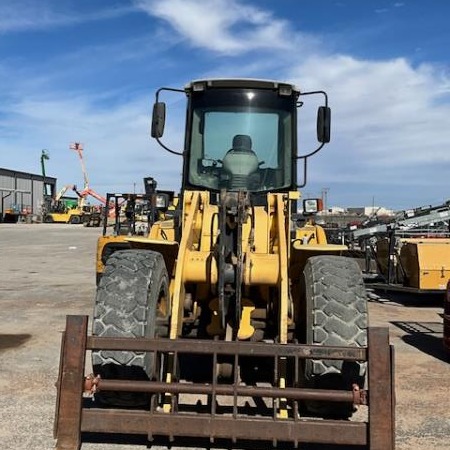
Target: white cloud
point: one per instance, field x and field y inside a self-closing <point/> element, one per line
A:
<point x="390" y="130"/>
<point x="386" y="111"/>
<point x="223" y="26"/>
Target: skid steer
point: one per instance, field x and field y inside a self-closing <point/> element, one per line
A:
<point x="228" y="321"/>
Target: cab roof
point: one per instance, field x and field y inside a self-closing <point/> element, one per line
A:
<point x="251" y="83"/>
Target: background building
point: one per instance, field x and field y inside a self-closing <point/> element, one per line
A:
<point x="22" y="193"/>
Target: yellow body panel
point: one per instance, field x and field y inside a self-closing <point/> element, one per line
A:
<point x="102" y="243"/>
<point x="65" y="217"/>
<point x="426" y="263"/>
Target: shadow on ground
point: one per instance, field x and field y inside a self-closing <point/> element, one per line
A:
<point x="425" y="336"/>
<point x="406" y="299"/>
<point x="8" y="341"/>
<point x="195" y="443"/>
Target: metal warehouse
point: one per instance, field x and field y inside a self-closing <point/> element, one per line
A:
<point x="22" y="193"/>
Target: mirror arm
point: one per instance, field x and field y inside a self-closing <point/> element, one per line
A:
<point x="166" y="89"/>
<point x="158" y="140"/>
<point x="326" y="105"/>
<point x="305" y="157"/>
<point x="304" y="170"/>
<point x="168" y="149"/>
<point x="315" y="93"/>
<point x="312" y="153"/>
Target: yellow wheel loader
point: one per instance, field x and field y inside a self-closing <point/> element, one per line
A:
<point x="227" y="321"/>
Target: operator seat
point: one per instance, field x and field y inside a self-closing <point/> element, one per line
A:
<point x="241" y="163"/>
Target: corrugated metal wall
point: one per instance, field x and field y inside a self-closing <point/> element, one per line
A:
<point x="22" y="191"/>
<point x="7" y="197"/>
<point x="37" y="196"/>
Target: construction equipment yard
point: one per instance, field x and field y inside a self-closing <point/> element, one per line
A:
<point x="47" y="272"/>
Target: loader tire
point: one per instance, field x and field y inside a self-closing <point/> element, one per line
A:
<point x="336" y="315"/>
<point x="132" y="300"/>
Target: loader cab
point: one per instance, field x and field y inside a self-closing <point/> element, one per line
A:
<point x="241" y="135"/>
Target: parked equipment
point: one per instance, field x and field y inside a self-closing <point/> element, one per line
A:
<point x="128" y="215"/>
<point x="62" y="209"/>
<point x="447" y="321"/>
<point x="93" y="217"/>
<point x="412" y="253"/>
<point x="240" y="327"/>
<point x="62" y="214"/>
<point x="73" y="210"/>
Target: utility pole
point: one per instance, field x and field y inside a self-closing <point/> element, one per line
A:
<point x="325" y="191"/>
<point x="44" y="156"/>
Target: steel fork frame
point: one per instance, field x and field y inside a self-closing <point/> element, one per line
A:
<point x="71" y="419"/>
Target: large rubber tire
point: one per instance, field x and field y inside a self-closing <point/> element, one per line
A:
<point x="132" y="301"/>
<point x="336" y="315"/>
<point x="48" y="219"/>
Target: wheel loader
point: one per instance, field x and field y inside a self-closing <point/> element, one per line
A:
<point x="228" y="322"/>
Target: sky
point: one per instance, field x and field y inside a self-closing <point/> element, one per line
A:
<point x="87" y="71"/>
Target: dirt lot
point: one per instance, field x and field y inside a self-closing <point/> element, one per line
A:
<point x="47" y="271"/>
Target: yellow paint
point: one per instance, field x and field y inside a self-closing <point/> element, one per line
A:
<point x="283" y="264"/>
<point x="246" y="329"/>
<point x="191" y="210"/>
<point x="426" y="263"/>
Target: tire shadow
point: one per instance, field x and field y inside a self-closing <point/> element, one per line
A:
<point x="425" y="336"/>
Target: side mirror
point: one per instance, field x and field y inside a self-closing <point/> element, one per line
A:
<point x="312" y="206"/>
<point x="158" y="119"/>
<point x="162" y="201"/>
<point x="323" y="124"/>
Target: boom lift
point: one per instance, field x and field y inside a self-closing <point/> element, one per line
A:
<point x="87" y="191"/>
<point x="78" y="147"/>
<point x="58" y="209"/>
<point x="222" y="322"/>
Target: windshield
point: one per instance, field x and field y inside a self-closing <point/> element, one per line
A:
<point x="241" y="140"/>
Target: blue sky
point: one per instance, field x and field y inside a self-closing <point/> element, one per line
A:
<point x="87" y="71"/>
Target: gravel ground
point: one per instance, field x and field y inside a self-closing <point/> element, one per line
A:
<point x="47" y="271"/>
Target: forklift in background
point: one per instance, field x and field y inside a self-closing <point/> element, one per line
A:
<point x="128" y="215"/>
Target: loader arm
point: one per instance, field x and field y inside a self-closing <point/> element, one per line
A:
<point x="228" y="257"/>
<point x="192" y="211"/>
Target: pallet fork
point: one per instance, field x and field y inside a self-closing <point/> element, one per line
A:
<point x="72" y="418"/>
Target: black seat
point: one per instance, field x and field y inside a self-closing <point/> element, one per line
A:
<point x="240" y="164"/>
<point x="242" y="143"/>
